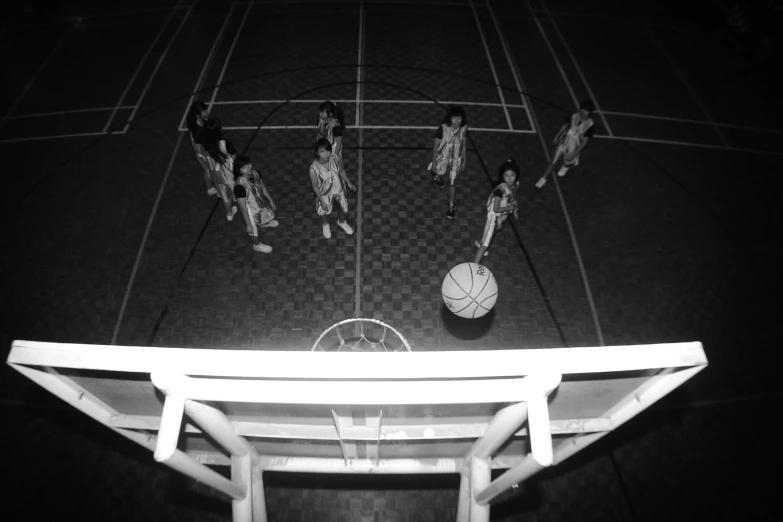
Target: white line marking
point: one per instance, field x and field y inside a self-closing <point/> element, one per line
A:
<point x="38" y="71"/>
<point x="687" y="85"/>
<point x="207" y="63"/>
<point x="357" y="283"/>
<point x="385" y="127"/>
<point x="553" y="53"/>
<point x="699" y="122"/>
<point x="491" y="65"/>
<point x="689" y="144"/>
<point x="517" y="81"/>
<point x="157" y="65"/>
<point x="56" y="136"/>
<point x="578" y="69"/>
<point x="141" y="64"/>
<point x="230" y="52"/>
<point x="421" y="102"/>
<point x="582" y="270"/>
<point x="144" y="241"/>
<point x="72" y="111"/>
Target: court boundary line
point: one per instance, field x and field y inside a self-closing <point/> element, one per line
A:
<point x="687" y="120"/>
<point x="578" y="68"/>
<point x="141" y="64"/>
<point x="207" y="63"/>
<point x="55" y="136"/>
<point x="594" y="312"/>
<point x="161" y="59"/>
<point x="520" y="88"/>
<point x="38" y="71"/>
<point x="688" y="86"/>
<point x="359" y="179"/>
<point x="690" y="144"/>
<point x="381" y="127"/>
<point x="552" y="52"/>
<point x="230" y="52"/>
<point x="70" y="111"/>
<point x="419" y="102"/>
<point x="491" y="64"/>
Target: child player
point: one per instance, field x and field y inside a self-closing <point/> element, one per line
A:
<point x="331" y="125"/>
<point x="571" y="139"/>
<point x="326" y="174"/>
<point x="500" y="204"/>
<point x="256" y="205"/>
<point x="448" y="152"/>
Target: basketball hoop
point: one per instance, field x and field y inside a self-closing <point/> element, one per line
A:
<point x="361" y="335"/>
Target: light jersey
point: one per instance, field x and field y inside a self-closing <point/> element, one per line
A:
<point x="576" y="131"/>
<point x="255" y="199"/>
<point x="326" y="130"/>
<point x="451" y="142"/>
<point x="507" y="199"/>
<point x="224" y="173"/>
<point x="328" y="176"/>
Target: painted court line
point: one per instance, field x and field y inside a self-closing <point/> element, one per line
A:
<point x="491" y="65"/>
<point x="38" y="71"/>
<point x="419" y="102"/>
<point x="575" y="244"/>
<point x="141" y="64"/>
<point x="698" y="122"/>
<point x="228" y="56"/>
<point x="56" y="136"/>
<point x="144" y="238"/>
<point x="160" y="62"/>
<point x="73" y="111"/>
<point x="687" y="85"/>
<point x="384" y="127"/>
<point x="207" y="64"/>
<point x="357" y="284"/>
<point x="689" y="144"/>
<point x="578" y="69"/>
<point x="553" y="53"/>
<point x="517" y="80"/>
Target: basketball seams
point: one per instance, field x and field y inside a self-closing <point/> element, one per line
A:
<point x="473" y="306"/>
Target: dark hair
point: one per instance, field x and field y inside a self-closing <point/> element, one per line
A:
<point x="587" y="105"/>
<point x="456" y="110"/>
<point x="213" y="149"/>
<point x="240" y="162"/>
<point x="322" y="142"/>
<point x="509" y="164"/>
<point x="213" y="131"/>
<point x="196" y="108"/>
<point x="333" y="110"/>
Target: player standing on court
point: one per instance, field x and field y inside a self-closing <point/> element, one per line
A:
<point x="448" y="152"/>
<point x="331" y="125"/>
<point x="572" y="137"/>
<point x="500" y="204"/>
<point x="327" y="177"/>
<point x="197" y="116"/>
<point x="220" y="155"/>
<point x="255" y="204"/>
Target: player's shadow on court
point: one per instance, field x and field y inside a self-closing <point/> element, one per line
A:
<point x="466" y="329"/>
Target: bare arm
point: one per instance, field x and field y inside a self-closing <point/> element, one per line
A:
<point x="344" y="177"/>
<point x="242" y="202"/>
<point x="497" y="209"/>
<point x="337" y="149"/>
<point x="560" y="134"/>
<point x="316" y="188"/>
<point x="462" y="156"/>
<point x="435" y="147"/>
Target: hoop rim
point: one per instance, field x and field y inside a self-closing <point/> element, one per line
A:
<point x="360" y="320"/>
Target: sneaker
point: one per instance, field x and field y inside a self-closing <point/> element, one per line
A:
<point x="436" y="180"/>
<point x="231" y="215"/>
<point x="450" y="212"/>
<point x="345" y="226"/>
<point x="270" y="224"/>
<point x="262" y="248"/>
<point x="478" y="245"/>
<point x="327" y="231"/>
<point x="212" y="191"/>
<point x="562" y="171"/>
<point x="541" y="182"/>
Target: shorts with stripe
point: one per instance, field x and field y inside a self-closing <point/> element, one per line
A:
<point x="330" y="199"/>
<point x="490" y="227"/>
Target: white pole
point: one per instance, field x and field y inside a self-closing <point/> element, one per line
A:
<point x="538" y="427"/>
<point x="242" y="508"/>
<point x="200" y="473"/>
<point x="217" y="425"/>
<point x="463" y="504"/>
<point x="521" y="472"/>
<point x="257" y="491"/>
<point x="170" y="425"/>
<point x="480" y="477"/>
<point x="502" y="426"/>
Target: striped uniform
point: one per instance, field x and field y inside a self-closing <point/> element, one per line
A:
<point x="573" y="138"/>
<point x="329" y="186"/>
<point x="222" y="177"/>
<point x="449" y="157"/>
<point x="259" y="210"/>
<point x="196" y="128"/>
<point x="494" y="220"/>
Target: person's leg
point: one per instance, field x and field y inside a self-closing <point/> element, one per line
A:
<point x="559" y="153"/>
<point x="567" y="165"/>
<point x="342" y="217"/>
<point x="258" y="246"/>
<point x="486" y="237"/>
<point x="324" y="215"/>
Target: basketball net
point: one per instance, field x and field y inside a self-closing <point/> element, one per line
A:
<point x="361" y="335"/>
